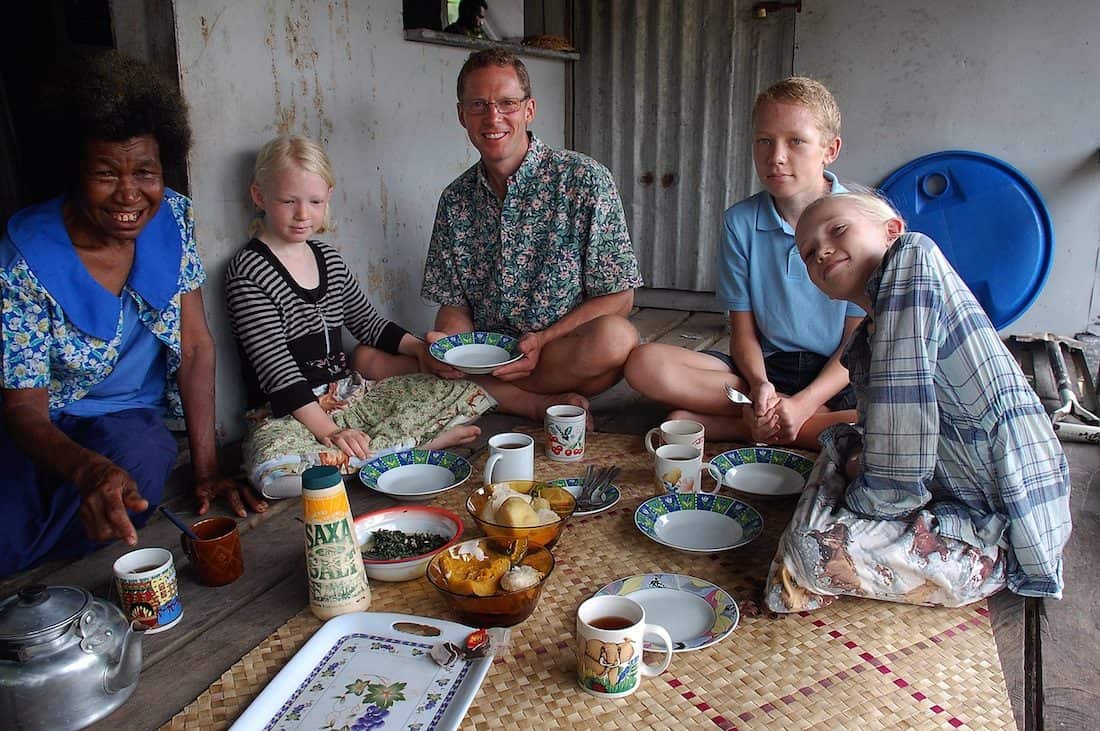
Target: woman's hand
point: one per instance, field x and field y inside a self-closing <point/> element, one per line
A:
<point x="107" y="492"/>
<point x="352" y="442"/>
<point x="209" y="489"/>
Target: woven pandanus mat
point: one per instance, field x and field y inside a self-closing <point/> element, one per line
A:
<point x="856" y="664"/>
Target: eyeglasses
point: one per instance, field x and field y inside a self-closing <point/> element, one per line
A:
<point x="504" y="106"/>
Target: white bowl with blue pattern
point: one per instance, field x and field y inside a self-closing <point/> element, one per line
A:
<point x="415" y="474"/>
<point x="476" y="352"/>
<point x="698" y="522"/>
<point x="761" y="471"/>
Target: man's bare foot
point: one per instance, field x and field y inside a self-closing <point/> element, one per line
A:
<point x="540" y="403"/>
<point x="454" y="437"/>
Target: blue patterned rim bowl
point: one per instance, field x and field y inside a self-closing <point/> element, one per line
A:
<point x="698" y="522"/>
<point x="761" y="471"/>
<point x="415" y="474"/>
<point x="476" y="352"/>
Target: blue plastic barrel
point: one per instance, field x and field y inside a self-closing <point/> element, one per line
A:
<point x="987" y="218"/>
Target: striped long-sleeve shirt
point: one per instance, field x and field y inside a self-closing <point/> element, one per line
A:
<point x="951" y="424"/>
<point x="290" y="337"/>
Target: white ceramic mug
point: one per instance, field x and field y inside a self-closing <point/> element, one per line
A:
<point x="675" y="431"/>
<point x="565" y="426"/>
<point x="147" y="588"/>
<point x="610" y="632"/>
<point x="511" y="457"/>
<point x="678" y="468"/>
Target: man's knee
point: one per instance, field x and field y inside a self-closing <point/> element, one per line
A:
<point x="613" y="338"/>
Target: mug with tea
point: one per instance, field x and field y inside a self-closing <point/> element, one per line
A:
<point x="216" y="555"/>
<point x="679" y="468"/>
<point x="565" y="427"/>
<point x="147" y="588"/>
<point x="511" y="457"/>
<point x="675" y="431"/>
<point x="610" y="634"/>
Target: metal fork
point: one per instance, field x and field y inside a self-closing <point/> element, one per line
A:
<point x="592" y="496"/>
<point x="736" y="396"/>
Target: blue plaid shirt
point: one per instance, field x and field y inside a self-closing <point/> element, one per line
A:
<point x="949" y="423"/>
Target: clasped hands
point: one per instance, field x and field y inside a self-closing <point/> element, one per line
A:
<point x="774" y="418"/>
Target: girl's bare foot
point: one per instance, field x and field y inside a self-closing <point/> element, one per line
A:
<point x="454" y="437"/>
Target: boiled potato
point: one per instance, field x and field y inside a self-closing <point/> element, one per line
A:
<point x="517" y="513"/>
<point x="558" y="498"/>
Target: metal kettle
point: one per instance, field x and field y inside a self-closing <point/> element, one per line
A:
<point x="67" y="659"/>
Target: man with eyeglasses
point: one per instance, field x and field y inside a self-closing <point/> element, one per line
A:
<point x="531" y="242"/>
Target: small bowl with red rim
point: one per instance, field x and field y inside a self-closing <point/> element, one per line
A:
<point x="408" y="519"/>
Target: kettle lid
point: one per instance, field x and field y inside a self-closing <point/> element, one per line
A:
<point x="36" y="612"/>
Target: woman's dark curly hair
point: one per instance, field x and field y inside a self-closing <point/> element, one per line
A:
<point x="109" y="96"/>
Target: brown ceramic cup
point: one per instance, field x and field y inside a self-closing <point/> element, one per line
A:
<point x="216" y="555"/>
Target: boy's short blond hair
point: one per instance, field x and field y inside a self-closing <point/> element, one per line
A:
<point x="809" y="93"/>
<point x="292" y="151"/>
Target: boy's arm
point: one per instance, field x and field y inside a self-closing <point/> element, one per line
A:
<point x="747" y="355"/>
<point x="794" y="411"/>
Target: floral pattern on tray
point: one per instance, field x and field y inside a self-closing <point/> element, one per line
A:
<point x="371" y="471"/>
<point x="344" y="692"/>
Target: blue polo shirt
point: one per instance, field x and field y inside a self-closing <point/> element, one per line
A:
<point x="760" y="271"/>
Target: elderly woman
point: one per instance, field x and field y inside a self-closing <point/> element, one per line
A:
<point x="103" y="330"/>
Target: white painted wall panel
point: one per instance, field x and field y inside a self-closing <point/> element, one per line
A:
<point x="1015" y="79"/>
<point x="385" y="110"/>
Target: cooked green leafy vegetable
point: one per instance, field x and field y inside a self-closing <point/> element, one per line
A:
<point x="387" y="545"/>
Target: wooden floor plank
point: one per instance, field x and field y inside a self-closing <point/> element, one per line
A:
<point x="1071" y="627"/>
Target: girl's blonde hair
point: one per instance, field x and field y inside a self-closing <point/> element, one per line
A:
<point x="869" y="202"/>
<point x="285" y="152"/>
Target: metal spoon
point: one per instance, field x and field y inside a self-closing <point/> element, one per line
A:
<point x="736" y="396"/>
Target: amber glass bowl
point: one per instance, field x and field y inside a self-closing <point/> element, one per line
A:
<point x="503" y="609"/>
<point x="540" y="535"/>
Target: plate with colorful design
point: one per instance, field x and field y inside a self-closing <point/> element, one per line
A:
<point x="476" y="352"/>
<point x="415" y="474"/>
<point x="695" y="612"/>
<point x="371" y="670"/>
<point x="697" y="522"/>
<point x="762" y="471"/>
<point x="608" y="496"/>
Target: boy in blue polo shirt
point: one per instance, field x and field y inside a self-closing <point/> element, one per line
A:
<point x="786" y="336"/>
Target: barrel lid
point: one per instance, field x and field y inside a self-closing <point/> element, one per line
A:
<point x="36" y="612"/>
<point x="988" y="220"/>
<point x="318" y="478"/>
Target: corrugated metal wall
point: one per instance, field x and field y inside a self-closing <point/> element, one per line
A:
<point x="662" y="96"/>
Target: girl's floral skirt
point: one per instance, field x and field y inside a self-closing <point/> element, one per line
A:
<point x="396" y="413"/>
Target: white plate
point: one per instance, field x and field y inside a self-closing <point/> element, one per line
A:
<point x="572" y="485"/>
<point x="698" y="522"/>
<point x="361" y="663"/>
<point x="764" y="471"/>
<point x="695" y="612"/>
<point x="415" y="474"/>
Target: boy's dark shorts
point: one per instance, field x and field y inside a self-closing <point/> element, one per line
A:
<point x="792" y="372"/>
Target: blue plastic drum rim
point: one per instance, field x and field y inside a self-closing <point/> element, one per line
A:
<point x="987" y="218"/>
